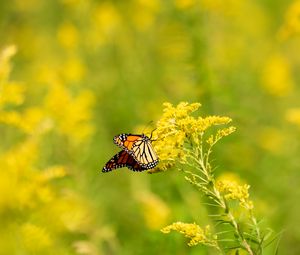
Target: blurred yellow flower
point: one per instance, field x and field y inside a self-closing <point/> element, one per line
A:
<point x="184" y="4"/>
<point x="35" y="238"/>
<point x="228" y="8"/>
<point x="31" y="121"/>
<point x="155" y="211"/>
<point x="12" y="118"/>
<point x="71" y="114"/>
<point x="70" y="212"/>
<point x="27" y="178"/>
<point x="74" y="70"/>
<point x="144" y="13"/>
<point x="271" y="139"/>
<point x="52" y="172"/>
<point x="291" y="25"/>
<point x="106" y="18"/>
<point x="277" y="76"/>
<point x="67" y="35"/>
<point x="195" y="233"/>
<point x="5" y="66"/>
<point x="85" y="248"/>
<point x="12" y="93"/>
<point x="293" y="116"/>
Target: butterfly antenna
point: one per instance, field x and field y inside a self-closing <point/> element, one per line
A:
<point x="152" y="134"/>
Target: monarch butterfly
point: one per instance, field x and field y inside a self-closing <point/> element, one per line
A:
<point x="137" y="153"/>
<point x="122" y="159"/>
<point x="140" y="147"/>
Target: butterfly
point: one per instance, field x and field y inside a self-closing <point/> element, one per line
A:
<point x="137" y="153"/>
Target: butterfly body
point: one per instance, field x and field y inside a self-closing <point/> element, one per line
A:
<point x="137" y="153"/>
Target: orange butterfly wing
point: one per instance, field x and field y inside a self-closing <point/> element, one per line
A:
<point x="126" y="141"/>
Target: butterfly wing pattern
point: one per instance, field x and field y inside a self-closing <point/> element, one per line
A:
<point x="122" y="159"/>
<point x="140" y="147"/>
<point x="137" y="153"/>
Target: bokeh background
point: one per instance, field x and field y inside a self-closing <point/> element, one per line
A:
<point x="74" y="73"/>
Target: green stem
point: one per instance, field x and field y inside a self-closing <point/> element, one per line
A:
<point x="209" y="188"/>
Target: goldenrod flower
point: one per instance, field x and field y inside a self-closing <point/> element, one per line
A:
<point x="181" y="139"/>
<point x="26" y="179"/>
<point x="231" y="190"/>
<point x="177" y="130"/>
<point x="195" y="233"/>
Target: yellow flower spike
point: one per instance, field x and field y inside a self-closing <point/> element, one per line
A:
<point x="232" y="190"/>
<point x="177" y="128"/>
<point x="195" y="233"/>
<point x="210" y="140"/>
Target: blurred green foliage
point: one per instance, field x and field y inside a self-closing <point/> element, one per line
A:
<point x="87" y="70"/>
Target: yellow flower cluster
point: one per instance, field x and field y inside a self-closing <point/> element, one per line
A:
<point x="60" y="103"/>
<point x="177" y="128"/>
<point x="44" y="211"/>
<point x="61" y="111"/>
<point x="220" y="134"/>
<point x="232" y="190"/>
<point x="195" y="233"/>
<point x="171" y="132"/>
